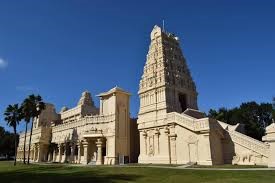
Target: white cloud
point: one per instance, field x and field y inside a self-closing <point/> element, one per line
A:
<point x="25" y="88"/>
<point x="3" y="63"/>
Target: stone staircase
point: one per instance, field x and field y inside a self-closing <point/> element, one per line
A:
<point x="196" y="125"/>
<point x="249" y="143"/>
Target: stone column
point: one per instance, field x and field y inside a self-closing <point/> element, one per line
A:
<point x="173" y="138"/>
<point x="72" y="146"/>
<point x="157" y="133"/>
<point x="99" y="151"/>
<point x="270" y="140"/>
<point x="79" y="152"/>
<point x="38" y="153"/>
<point x="50" y="156"/>
<point x="34" y="153"/>
<point x="145" y="142"/>
<point x="85" y="150"/>
<point x="167" y="132"/>
<point x="65" y="152"/>
<point x="54" y="154"/>
<point x="60" y="152"/>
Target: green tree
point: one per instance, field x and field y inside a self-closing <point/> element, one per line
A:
<point x="6" y="142"/>
<point x="254" y="116"/>
<point x="13" y="116"/>
<point x="35" y="107"/>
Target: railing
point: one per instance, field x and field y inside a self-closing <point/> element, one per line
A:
<point x="188" y="122"/>
<point x="84" y="121"/>
<point x="71" y="112"/>
<point x="249" y="143"/>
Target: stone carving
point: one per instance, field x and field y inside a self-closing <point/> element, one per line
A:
<point x="151" y="150"/>
<point x="244" y="158"/>
<point x="192" y="139"/>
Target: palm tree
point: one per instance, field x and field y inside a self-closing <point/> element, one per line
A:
<point x="36" y="105"/>
<point x="13" y="116"/>
<point x="26" y="110"/>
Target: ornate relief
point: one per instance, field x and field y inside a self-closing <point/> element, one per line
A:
<point x="192" y="139"/>
<point x="244" y="158"/>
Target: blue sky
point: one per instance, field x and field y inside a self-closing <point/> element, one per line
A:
<point x="61" y="48"/>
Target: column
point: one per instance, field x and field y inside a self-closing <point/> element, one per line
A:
<point x="60" y="152"/>
<point x="50" y="156"/>
<point x="79" y="152"/>
<point x="157" y="133"/>
<point x="33" y="151"/>
<point x="65" y="152"/>
<point x="85" y="150"/>
<point x="167" y="132"/>
<point x="54" y="154"/>
<point x="173" y="148"/>
<point x="145" y="142"/>
<point x="99" y="151"/>
<point x="38" y="153"/>
<point x="72" y="146"/>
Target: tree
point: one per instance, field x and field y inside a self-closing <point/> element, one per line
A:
<point x="6" y="142"/>
<point x="13" y="116"/>
<point x="35" y="107"/>
<point x="254" y="116"/>
<point x="26" y="109"/>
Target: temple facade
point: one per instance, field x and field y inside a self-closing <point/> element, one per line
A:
<point x="84" y="134"/>
<point x="172" y="130"/>
<point x="169" y="130"/>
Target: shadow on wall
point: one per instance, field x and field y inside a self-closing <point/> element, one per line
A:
<point x="134" y="141"/>
<point x="228" y="149"/>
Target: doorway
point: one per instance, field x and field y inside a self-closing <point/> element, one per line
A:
<point x="183" y="102"/>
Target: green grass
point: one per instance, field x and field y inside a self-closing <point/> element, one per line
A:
<point x="63" y="173"/>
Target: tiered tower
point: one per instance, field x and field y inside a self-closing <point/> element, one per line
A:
<point x="166" y="84"/>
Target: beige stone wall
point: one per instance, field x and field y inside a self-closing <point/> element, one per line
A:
<point x="84" y="134"/>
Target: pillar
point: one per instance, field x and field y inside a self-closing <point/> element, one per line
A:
<point x="65" y="152"/>
<point x="85" y="150"/>
<point x="54" y="154"/>
<point x="167" y="132"/>
<point x="72" y="146"/>
<point x="157" y="133"/>
<point x="60" y="152"/>
<point x="173" y="138"/>
<point x="34" y="153"/>
<point x="79" y="152"/>
<point x="145" y="142"/>
<point x="99" y="151"/>
<point x="38" y="153"/>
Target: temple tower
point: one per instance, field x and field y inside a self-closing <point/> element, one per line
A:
<point x="166" y="84"/>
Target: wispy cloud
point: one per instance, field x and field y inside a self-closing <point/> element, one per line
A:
<point x="3" y="63"/>
<point x="24" y="88"/>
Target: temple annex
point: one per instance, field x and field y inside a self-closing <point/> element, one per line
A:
<point x="169" y="130"/>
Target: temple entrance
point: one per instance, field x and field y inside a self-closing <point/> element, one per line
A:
<point x="183" y="102"/>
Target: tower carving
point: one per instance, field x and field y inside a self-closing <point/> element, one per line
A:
<point x="166" y="84"/>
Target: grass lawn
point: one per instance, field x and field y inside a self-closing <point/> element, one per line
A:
<point x="62" y="173"/>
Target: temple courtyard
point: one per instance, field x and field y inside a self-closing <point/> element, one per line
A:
<point x="133" y="173"/>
